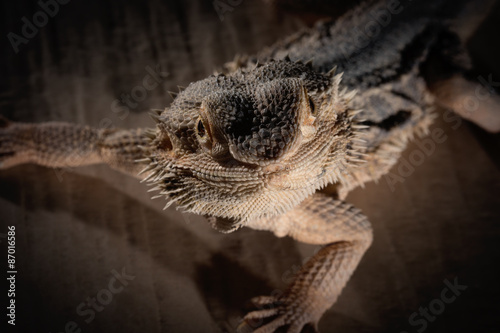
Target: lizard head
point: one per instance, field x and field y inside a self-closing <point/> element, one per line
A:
<point x="253" y="143"/>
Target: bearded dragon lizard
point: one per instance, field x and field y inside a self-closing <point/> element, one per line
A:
<point x="257" y="144"/>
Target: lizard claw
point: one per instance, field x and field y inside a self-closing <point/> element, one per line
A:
<point x="283" y="314"/>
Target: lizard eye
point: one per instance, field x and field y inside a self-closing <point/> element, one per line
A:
<point x="203" y="134"/>
<point x="311" y="105"/>
<point x="200" y="129"/>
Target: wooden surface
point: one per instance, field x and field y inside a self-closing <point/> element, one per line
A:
<point x="75" y="227"/>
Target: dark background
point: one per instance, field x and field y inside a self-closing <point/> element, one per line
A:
<point x="74" y="227"/>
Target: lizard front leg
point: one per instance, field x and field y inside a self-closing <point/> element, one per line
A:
<point x="59" y="145"/>
<point x="318" y="220"/>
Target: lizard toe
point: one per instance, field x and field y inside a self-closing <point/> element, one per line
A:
<point x="279" y="315"/>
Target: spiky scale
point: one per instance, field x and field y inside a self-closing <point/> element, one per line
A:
<point x="155" y="117"/>
<point x="332" y="71"/>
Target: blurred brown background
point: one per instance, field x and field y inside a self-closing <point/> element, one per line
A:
<point x="76" y="227"/>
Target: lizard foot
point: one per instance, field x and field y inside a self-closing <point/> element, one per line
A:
<point x="281" y="314"/>
<point x="9" y="152"/>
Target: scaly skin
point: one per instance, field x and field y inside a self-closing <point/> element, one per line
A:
<point x="253" y="146"/>
<point x="317" y="220"/>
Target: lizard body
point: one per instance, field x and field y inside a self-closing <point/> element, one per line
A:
<point x="254" y="145"/>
